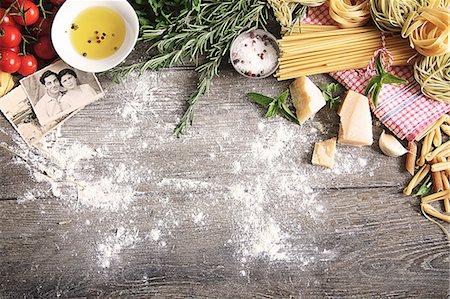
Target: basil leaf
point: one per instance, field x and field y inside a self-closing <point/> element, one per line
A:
<point x="379" y="66"/>
<point x="260" y="99"/>
<point x="272" y="110"/>
<point x="425" y="188"/>
<point x="283" y="96"/>
<point x="391" y="79"/>
<point x="288" y="114"/>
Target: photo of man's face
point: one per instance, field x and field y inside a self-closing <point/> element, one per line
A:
<point x="52" y="84"/>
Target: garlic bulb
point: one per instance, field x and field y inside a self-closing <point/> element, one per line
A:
<point x="390" y="146"/>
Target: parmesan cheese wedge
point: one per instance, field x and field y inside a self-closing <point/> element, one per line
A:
<point x="306" y="97"/>
<point x="356" y="120"/>
<point x="324" y="153"/>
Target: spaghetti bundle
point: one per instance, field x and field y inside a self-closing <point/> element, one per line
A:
<point x="348" y="14"/>
<point x="433" y="75"/>
<point x="390" y="16"/>
<point x="332" y="50"/>
<point x="428" y="31"/>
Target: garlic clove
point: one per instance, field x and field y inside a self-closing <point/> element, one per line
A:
<point x="390" y="146"/>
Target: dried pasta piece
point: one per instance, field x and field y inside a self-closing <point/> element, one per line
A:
<point x="433" y="76"/>
<point x="429" y="209"/>
<point x="437" y="150"/>
<point x="428" y="30"/>
<point x="349" y="14"/>
<point x="417" y="179"/>
<point x="446" y="184"/>
<point x="426" y="147"/>
<point x="440" y="166"/>
<point x="390" y="16"/>
<point x="411" y="157"/>
<point x="437" y="140"/>
<point x="433" y="126"/>
<point x="443" y="159"/>
<point x="445" y="129"/>
<point x="437" y="178"/>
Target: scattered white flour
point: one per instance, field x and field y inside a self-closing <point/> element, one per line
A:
<point x="260" y="234"/>
<point x="110" y="248"/>
<point x="155" y="234"/>
<point x="198" y="218"/>
<point x="105" y="194"/>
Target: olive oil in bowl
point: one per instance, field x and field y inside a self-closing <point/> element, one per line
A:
<point x="97" y="32"/>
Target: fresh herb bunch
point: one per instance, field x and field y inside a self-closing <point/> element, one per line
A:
<point x="382" y="77"/>
<point x="208" y="32"/>
<point x="275" y="106"/>
<point x="331" y="92"/>
<point x="161" y="13"/>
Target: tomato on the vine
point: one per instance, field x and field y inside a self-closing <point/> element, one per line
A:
<point x="44" y="48"/>
<point x="26" y="12"/>
<point x="41" y="27"/>
<point x="7" y="19"/>
<point x="9" y="61"/>
<point x="14" y="49"/>
<point x="28" y="65"/>
<point x="10" y="37"/>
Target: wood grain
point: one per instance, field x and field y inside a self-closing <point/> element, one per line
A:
<point x="369" y="241"/>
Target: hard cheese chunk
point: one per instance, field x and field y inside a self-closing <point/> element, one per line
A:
<point x="306" y="97"/>
<point x="356" y="121"/>
<point x="324" y="153"/>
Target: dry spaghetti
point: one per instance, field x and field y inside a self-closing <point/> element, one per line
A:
<point x="334" y="50"/>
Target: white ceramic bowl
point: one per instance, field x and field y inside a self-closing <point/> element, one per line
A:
<point x="60" y="34"/>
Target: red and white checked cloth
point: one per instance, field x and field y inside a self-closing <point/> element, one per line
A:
<point x="403" y="109"/>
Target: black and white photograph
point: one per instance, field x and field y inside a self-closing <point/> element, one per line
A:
<point x="59" y="89"/>
<point x="17" y="109"/>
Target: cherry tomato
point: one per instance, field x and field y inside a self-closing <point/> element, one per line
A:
<point x="57" y="2"/>
<point x="41" y="27"/>
<point x="10" y="37"/>
<point x="26" y="12"/>
<point x="14" y="49"/>
<point x="7" y="20"/>
<point x="28" y="65"/>
<point x="9" y="61"/>
<point x="44" y="48"/>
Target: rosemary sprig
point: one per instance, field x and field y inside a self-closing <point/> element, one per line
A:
<point x="208" y="32"/>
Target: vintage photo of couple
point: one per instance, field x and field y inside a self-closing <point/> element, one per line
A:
<point x="58" y="90"/>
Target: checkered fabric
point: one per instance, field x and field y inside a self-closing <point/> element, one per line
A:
<point x="402" y="109"/>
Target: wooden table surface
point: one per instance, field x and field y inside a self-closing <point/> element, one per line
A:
<point x="233" y="209"/>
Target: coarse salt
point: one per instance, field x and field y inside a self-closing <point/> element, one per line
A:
<point x="255" y="54"/>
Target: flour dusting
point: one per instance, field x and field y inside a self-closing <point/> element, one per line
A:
<point x="109" y="249"/>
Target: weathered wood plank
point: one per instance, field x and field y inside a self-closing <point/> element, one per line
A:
<point x="364" y="245"/>
<point x="203" y="205"/>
